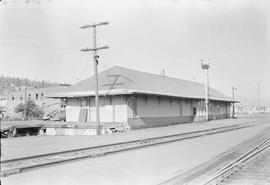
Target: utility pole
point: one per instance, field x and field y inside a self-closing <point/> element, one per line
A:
<point x="233" y="111"/>
<point x="205" y="66"/>
<point x="25" y="101"/>
<point x="95" y="57"/>
<point x="259" y="95"/>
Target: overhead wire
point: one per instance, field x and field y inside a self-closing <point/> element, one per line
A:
<point x="20" y="12"/>
<point x="39" y="47"/>
<point x="30" y="38"/>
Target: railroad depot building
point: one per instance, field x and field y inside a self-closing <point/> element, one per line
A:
<point x="142" y="99"/>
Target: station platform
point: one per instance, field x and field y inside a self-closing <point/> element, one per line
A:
<point x="57" y="128"/>
<point x="17" y="147"/>
<point x="5" y="125"/>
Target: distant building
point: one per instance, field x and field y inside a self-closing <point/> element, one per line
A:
<point x="3" y="106"/>
<point x="13" y="98"/>
<point x="142" y="99"/>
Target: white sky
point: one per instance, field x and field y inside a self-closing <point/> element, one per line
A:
<point x="41" y="39"/>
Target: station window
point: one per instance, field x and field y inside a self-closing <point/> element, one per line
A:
<point x="29" y="96"/>
<point x="36" y="96"/>
<point x="21" y="98"/>
<point x="134" y="107"/>
<point x="145" y="99"/>
<point x="194" y="110"/>
<point x="12" y="98"/>
<point x="41" y="96"/>
<point x="159" y="100"/>
<point x="181" y="107"/>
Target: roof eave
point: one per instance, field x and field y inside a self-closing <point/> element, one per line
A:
<point x="131" y="91"/>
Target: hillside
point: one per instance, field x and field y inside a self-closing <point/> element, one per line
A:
<point x="14" y="82"/>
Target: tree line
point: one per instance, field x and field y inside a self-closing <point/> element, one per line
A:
<point x="12" y="82"/>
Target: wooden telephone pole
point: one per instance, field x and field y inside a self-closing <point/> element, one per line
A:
<point x="25" y="102"/>
<point x="233" y="110"/>
<point x="95" y="57"/>
<point x="259" y="104"/>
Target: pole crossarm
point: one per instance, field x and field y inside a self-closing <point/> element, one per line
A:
<point x="94" y="25"/>
<point x="94" y="49"/>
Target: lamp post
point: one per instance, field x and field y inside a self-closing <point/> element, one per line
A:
<point x="233" y="110"/>
<point x="205" y="66"/>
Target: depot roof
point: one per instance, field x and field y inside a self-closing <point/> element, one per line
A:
<point x="119" y="80"/>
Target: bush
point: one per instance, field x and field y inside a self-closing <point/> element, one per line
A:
<point x="32" y="109"/>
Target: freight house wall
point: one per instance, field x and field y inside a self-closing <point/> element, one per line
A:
<point x="143" y="111"/>
<point x="159" y="111"/>
<point x="112" y="109"/>
<point x="151" y="111"/>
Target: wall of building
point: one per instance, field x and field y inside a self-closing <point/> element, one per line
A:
<point x="37" y="94"/>
<point x="144" y="111"/>
<point x="3" y="106"/>
<point x="151" y="111"/>
<point x="159" y="111"/>
<point x="73" y="108"/>
<point x="219" y="110"/>
<point x="112" y="109"/>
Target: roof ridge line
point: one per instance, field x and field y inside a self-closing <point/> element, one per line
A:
<point x="154" y="74"/>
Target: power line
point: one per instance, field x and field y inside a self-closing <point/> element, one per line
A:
<point x="20" y="12"/>
<point x="31" y="38"/>
<point x="39" y="47"/>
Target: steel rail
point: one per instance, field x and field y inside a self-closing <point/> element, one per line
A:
<point x="114" y="144"/>
<point x="237" y="163"/>
<point x="13" y="166"/>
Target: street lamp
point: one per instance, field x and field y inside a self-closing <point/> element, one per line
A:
<point x="205" y="66"/>
<point x="233" y="111"/>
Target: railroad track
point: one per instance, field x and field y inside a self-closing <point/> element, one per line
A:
<point x="255" y="172"/>
<point x="13" y="166"/>
<point x="234" y="168"/>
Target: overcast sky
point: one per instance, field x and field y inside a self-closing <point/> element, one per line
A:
<point x="41" y="40"/>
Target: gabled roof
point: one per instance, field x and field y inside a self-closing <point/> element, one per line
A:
<point x="120" y="80"/>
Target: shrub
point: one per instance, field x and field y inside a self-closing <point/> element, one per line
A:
<point x="32" y="109"/>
